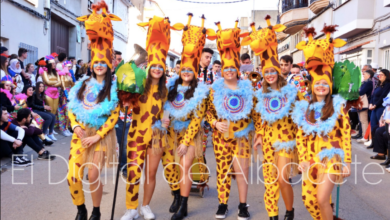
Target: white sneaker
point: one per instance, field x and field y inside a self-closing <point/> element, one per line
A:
<point x="388" y="169"/>
<point x="130" y="214"/>
<point x="54" y="132"/>
<point x="361" y="140"/>
<point x="51" y="136"/>
<point x="48" y="139"/>
<point x="368" y="143"/>
<point x="147" y="213"/>
<point x="66" y="133"/>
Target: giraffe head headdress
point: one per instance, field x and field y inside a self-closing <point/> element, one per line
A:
<point x="319" y="53"/>
<point x="100" y="32"/>
<point x="158" y="39"/>
<point x="194" y="39"/>
<point x="228" y="43"/>
<point x="264" y="43"/>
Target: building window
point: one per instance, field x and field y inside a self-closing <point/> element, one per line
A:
<point x="295" y="39"/>
<point x="90" y="2"/>
<point x="32" y="53"/>
<point x="386" y="57"/>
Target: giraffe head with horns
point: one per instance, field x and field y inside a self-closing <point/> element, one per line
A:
<point x="158" y="39"/>
<point x="228" y="43"/>
<point x="194" y="39"/>
<point x="264" y="43"/>
<point x="99" y="25"/>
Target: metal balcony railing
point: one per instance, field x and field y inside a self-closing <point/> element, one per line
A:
<point x="293" y="4"/>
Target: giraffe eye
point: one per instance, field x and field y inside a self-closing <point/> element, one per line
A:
<point x="204" y="30"/>
<point x="185" y="28"/>
<point x="331" y="40"/>
<point x="104" y="15"/>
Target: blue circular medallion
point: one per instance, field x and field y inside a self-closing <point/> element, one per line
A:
<point x="179" y="101"/>
<point x="234" y="103"/>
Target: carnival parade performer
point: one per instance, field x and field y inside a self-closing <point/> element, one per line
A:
<point x="187" y="107"/>
<point x="145" y="142"/>
<point x="67" y="83"/>
<point x="277" y="131"/>
<point x="52" y="81"/>
<point x="230" y="109"/>
<point x="323" y="138"/>
<point x="93" y="113"/>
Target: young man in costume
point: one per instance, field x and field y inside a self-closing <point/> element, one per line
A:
<point x="323" y="138"/>
<point x="230" y="109"/>
<point x="276" y="135"/>
<point x="93" y="113"/>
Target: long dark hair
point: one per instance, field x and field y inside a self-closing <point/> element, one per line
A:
<point x="105" y="92"/>
<point x="387" y="80"/>
<point x="3" y="67"/>
<point x="188" y="94"/>
<point x="327" y="111"/>
<point x="24" y="91"/>
<point x="162" y="89"/>
<point x="39" y="95"/>
<point x="50" y="69"/>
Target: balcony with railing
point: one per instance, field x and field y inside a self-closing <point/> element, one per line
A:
<point x="317" y="5"/>
<point x="294" y="12"/>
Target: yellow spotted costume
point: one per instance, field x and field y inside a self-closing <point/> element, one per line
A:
<point x="92" y="116"/>
<point x="275" y="124"/>
<point x="326" y="144"/>
<point x="146" y="130"/>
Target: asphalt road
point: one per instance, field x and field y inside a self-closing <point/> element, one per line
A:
<point x="41" y="191"/>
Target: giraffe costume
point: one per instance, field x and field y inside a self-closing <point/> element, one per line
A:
<point x="95" y="118"/>
<point x="327" y="142"/>
<point x="275" y="124"/>
<point x="235" y="106"/>
<point x="146" y="130"/>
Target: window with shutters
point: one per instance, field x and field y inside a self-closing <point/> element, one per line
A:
<point x="386" y="58"/>
<point x="32" y="53"/>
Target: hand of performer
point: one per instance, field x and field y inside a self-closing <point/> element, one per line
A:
<point x="17" y="143"/>
<point x="304" y="166"/>
<point x="258" y="141"/>
<point x="182" y="150"/>
<point x="165" y="122"/>
<point x="221" y="126"/>
<point x="17" y="107"/>
<point x="48" y="108"/>
<point x="89" y="141"/>
<point x="346" y="170"/>
<point x="80" y="132"/>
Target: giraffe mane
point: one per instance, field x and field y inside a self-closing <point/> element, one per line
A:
<point x="267" y="17"/>
<point x="309" y="31"/>
<point x="329" y="29"/>
<point x="99" y="5"/>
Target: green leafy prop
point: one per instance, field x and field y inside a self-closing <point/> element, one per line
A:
<point x="346" y="80"/>
<point x="130" y="78"/>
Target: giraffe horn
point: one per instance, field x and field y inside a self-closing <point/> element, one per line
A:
<point x="203" y="18"/>
<point x="253" y="27"/>
<point x="189" y="18"/>
<point x="268" y="19"/>
<point x="219" y="25"/>
<point x="236" y="23"/>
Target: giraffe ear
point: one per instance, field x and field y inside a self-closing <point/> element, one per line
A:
<point x="211" y="35"/>
<point x="301" y="45"/>
<point x="246" y="41"/>
<point x="83" y="18"/>
<point x="244" y="34"/>
<point x="143" y="24"/>
<point x="177" y="27"/>
<point x="279" y="28"/>
<point x="114" y="17"/>
<point x="339" y="43"/>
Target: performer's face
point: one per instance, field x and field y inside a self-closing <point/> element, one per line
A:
<point x="270" y="75"/>
<point x="156" y="71"/>
<point x="100" y="68"/>
<point x="230" y="73"/>
<point x="29" y="92"/>
<point x="187" y="74"/>
<point x="7" y="86"/>
<point x="321" y="87"/>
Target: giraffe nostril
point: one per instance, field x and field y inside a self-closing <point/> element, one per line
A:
<point x="185" y="28"/>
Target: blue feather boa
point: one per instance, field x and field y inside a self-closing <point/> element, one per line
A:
<point x="245" y="131"/>
<point x="180" y="125"/>
<point x="158" y="125"/>
<point x="321" y="128"/>
<point x="288" y="91"/>
<point x="330" y="153"/>
<point x="244" y="90"/>
<point x="98" y="115"/>
<point x="201" y="92"/>
<point x="288" y="146"/>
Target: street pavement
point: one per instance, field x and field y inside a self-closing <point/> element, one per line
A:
<point x="41" y="191"/>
